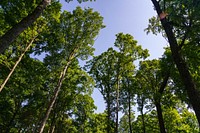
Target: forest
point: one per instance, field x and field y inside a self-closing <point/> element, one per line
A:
<point x="53" y="93"/>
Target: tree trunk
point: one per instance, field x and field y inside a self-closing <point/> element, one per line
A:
<point x="143" y="122"/>
<point x="157" y="102"/>
<point x="17" y="29"/>
<point x="160" y="117"/>
<point x="108" y="126"/>
<point x="129" y="113"/>
<point x="129" y="108"/>
<point x="53" y="99"/>
<point x="20" y="58"/>
<point x="193" y="93"/>
<point x="117" y="107"/>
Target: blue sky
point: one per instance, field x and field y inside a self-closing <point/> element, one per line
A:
<point x="127" y="16"/>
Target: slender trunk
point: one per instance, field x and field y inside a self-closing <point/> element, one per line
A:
<point x="129" y="113"/>
<point x="143" y="122"/>
<point x="117" y="107"/>
<point x="53" y="99"/>
<point x="20" y="58"/>
<point x="193" y="93"/>
<point x="129" y="108"/>
<point x="17" y="29"/>
<point x="108" y="128"/>
<point x="160" y="117"/>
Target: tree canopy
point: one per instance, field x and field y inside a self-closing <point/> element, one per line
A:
<point x="53" y="93"/>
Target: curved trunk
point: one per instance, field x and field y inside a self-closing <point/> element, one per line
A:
<point x="193" y="93"/>
<point x="17" y="29"/>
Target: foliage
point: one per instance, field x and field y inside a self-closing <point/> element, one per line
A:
<point x="64" y="38"/>
<point x="175" y="121"/>
<point x="23" y="94"/>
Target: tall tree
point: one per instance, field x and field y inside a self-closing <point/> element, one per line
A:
<point x="151" y="73"/>
<point x="129" y="52"/>
<point x="141" y="100"/>
<point x="111" y="69"/>
<point x="70" y="38"/>
<point x="102" y="69"/>
<point x="189" y="13"/>
<point x="74" y="105"/>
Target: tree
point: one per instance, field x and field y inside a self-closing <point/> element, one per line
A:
<point x="102" y="69"/>
<point x="113" y="69"/>
<point x="70" y="38"/>
<point x="155" y="81"/>
<point x="29" y="36"/>
<point x="83" y="113"/>
<point x="23" y="97"/>
<point x="24" y="21"/>
<point x="141" y="100"/>
<point x="175" y="120"/>
<point x="98" y="123"/>
<point x="129" y="52"/>
<point x="22" y="24"/>
<point x="74" y="104"/>
<point x="123" y="127"/>
<point x="187" y="79"/>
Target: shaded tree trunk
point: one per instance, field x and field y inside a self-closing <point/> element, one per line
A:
<point x="142" y="113"/>
<point x="107" y="98"/>
<point x="108" y="128"/>
<point x="160" y="117"/>
<point x="193" y="93"/>
<point x="158" y="105"/>
<point x="129" y="108"/>
<point x="17" y="29"/>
